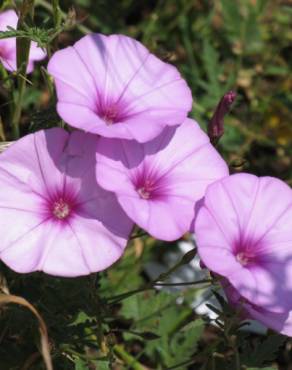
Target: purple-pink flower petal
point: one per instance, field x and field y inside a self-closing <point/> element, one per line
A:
<point x="158" y="183"/>
<point x="53" y="215"/>
<point x="244" y="233"/>
<point x="8" y="46"/>
<point x="113" y="86"/>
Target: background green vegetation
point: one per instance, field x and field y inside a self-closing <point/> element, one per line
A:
<point x="244" y="45"/>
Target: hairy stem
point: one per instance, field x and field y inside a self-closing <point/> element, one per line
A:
<point x="22" y="51"/>
<point x="46" y="5"/>
<point x="18" y="108"/>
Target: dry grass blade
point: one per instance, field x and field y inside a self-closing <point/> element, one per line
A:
<point x="4" y="145"/>
<point x="45" y="348"/>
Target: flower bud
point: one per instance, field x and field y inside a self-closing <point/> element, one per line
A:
<point x="216" y="125"/>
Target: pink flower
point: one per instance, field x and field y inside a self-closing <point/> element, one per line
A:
<point x="53" y="215"/>
<point x="159" y="182"/>
<point x="8" y="46"/>
<point x="278" y="321"/>
<point x="244" y="233"/>
<point x="113" y="86"/>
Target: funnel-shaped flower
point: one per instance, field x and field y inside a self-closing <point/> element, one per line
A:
<point x="53" y="215"/>
<point x="244" y="233"/>
<point x="159" y="182"/>
<point x="113" y="86"/>
<point x="8" y="46"/>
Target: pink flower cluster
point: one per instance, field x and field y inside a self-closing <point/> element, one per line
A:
<point x="69" y="201"/>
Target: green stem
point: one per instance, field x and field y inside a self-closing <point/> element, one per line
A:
<point x="181" y="364"/>
<point x="56" y="13"/>
<point x="203" y="281"/>
<point x="116" y="299"/>
<point x="49" y="7"/>
<point x="184" y="260"/>
<point x="138" y="235"/>
<point x="237" y="359"/>
<point x="213" y="362"/>
<point x="18" y="108"/>
<point x="120" y="297"/>
<point x="22" y="52"/>
<point x="5" y="78"/>
<point x="71" y="351"/>
<point x="127" y="358"/>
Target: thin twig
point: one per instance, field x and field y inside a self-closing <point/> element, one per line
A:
<point x="49" y="7"/>
<point x="4" y="145"/>
<point x="203" y="281"/>
<point x="138" y="235"/>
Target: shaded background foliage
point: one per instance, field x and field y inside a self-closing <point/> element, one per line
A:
<point x="243" y="45"/>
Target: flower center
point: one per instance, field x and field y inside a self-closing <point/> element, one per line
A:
<point x="246" y="251"/>
<point x="146" y="189"/>
<point x="61" y="209"/>
<point x="145" y="194"/>
<point x="110" y="113"/>
<point x="242" y="258"/>
<point x="111" y="110"/>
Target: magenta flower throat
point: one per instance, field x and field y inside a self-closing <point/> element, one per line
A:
<point x="63" y="205"/>
<point x="149" y="183"/>
<point x="248" y="252"/>
<point x="111" y="111"/>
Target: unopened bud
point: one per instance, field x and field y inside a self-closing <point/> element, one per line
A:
<point x="189" y="256"/>
<point x="216" y="125"/>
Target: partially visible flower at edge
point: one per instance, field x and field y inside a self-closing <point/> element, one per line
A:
<point x="53" y="215"/>
<point x="243" y="233"/>
<point x="113" y="86"/>
<point x="278" y="321"/>
<point x="159" y="183"/>
<point x="8" y="46"/>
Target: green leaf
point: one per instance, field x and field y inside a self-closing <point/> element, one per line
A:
<point x="261" y="368"/>
<point x="146" y="308"/>
<point x="214" y="309"/>
<point x="264" y="352"/>
<point x="123" y="277"/>
<point x="210" y="59"/>
<point x="179" y="347"/>
<point x="185" y="342"/>
<point x="232" y="18"/>
<point x="81" y="364"/>
<point x="82" y="318"/>
<point x="232" y="139"/>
